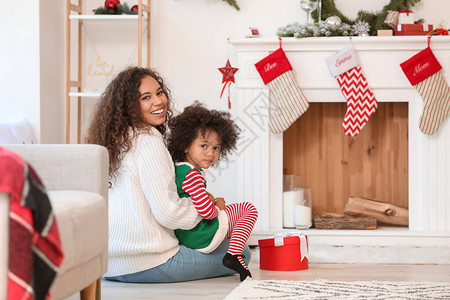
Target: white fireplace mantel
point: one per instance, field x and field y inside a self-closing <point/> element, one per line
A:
<point x="260" y="158"/>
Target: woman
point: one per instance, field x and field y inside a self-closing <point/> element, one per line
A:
<point x="144" y="208"/>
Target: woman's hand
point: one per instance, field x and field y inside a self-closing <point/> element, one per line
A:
<point x="220" y="203"/>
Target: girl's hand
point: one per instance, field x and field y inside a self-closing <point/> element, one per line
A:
<point x="220" y="203"/>
<point x="211" y="198"/>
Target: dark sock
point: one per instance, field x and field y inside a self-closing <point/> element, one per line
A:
<point x="232" y="262"/>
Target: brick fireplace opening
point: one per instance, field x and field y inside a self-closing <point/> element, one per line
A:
<point x="373" y="164"/>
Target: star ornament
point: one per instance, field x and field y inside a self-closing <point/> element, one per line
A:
<point x="228" y="77"/>
<point x="228" y="72"/>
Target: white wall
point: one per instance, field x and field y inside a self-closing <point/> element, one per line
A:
<point x="32" y="62"/>
<point x="19" y="61"/>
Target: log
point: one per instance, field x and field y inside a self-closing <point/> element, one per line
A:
<point x="339" y="221"/>
<point x="382" y="211"/>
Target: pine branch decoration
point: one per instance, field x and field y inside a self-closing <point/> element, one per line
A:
<point x="375" y="20"/>
<point x="234" y="3"/>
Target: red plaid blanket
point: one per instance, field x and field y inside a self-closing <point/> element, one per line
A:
<point x="34" y="247"/>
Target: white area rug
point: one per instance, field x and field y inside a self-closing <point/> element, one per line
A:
<point x="348" y="290"/>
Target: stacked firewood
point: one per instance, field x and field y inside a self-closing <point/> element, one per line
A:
<point x="362" y="213"/>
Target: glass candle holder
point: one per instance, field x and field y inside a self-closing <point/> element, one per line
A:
<point x="303" y="208"/>
<point x="291" y="182"/>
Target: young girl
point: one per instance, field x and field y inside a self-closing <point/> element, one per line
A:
<point x="198" y="139"/>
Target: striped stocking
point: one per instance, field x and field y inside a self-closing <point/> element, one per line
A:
<point x="436" y="96"/>
<point x="290" y="102"/>
<point x="241" y="219"/>
<point x="423" y="71"/>
<point x="276" y="72"/>
<point x="361" y="103"/>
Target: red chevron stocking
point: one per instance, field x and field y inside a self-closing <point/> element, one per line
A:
<point x="361" y="103"/>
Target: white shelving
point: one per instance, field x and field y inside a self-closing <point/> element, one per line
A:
<point x="104" y="17"/>
<point x="85" y="94"/>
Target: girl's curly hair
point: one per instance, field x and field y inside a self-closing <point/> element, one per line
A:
<point x="196" y="119"/>
<point x="119" y="110"/>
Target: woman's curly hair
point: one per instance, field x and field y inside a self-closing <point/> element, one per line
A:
<point x="196" y="119"/>
<point x="119" y="110"/>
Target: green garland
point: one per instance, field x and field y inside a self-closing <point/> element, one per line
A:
<point x="307" y="30"/>
<point x="375" y="20"/>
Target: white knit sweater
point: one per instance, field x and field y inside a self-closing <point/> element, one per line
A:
<point x="144" y="208"/>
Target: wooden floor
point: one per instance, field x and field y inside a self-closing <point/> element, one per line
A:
<point x="218" y="288"/>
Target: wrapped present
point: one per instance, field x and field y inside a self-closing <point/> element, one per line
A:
<point x="385" y="32"/>
<point x="392" y="18"/>
<point x="413" y="29"/>
<point x="405" y="17"/>
<point x="284" y="252"/>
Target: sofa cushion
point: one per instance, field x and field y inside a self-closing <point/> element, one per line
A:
<point x="82" y="219"/>
<point x="17" y="133"/>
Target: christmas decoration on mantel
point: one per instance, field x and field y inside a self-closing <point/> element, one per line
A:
<point x="336" y="24"/>
<point x="361" y="28"/>
<point x="328" y="28"/>
<point x="441" y="29"/>
<point x="228" y="77"/>
<point x="114" y="7"/>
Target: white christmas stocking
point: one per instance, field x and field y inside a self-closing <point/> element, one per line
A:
<point x="276" y="72"/>
<point x="361" y="103"/>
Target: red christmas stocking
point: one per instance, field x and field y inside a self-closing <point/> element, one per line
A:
<point x="423" y="71"/>
<point x="276" y="72"/>
<point x="361" y="103"/>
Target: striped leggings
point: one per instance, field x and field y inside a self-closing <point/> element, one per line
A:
<point x="241" y="219"/>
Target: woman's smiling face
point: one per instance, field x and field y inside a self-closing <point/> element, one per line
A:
<point x="153" y="101"/>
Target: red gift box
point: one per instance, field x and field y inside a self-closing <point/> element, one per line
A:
<point x="284" y="253"/>
<point x="413" y="29"/>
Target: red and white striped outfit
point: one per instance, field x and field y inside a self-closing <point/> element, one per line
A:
<point x="241" y="216"/>
<point x="194" y="185"/>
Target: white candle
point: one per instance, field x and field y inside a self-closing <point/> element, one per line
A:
<point x="290" y="198"/>
<point x="302" y="216"/>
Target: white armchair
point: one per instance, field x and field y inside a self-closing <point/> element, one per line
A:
<point x="76" y="178"/>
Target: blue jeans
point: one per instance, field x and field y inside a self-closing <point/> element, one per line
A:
<point x="187" y="264"/>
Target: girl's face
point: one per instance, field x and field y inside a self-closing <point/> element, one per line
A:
<point x="153" y="101"/>
<point x="204" y="150"/>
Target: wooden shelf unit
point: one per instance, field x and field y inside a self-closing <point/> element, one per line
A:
<point x="142" y="16"/>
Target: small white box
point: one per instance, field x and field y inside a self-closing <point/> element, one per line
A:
<point x="406" y="18"/>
